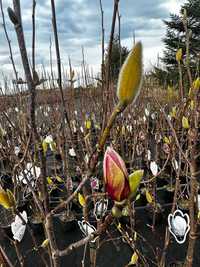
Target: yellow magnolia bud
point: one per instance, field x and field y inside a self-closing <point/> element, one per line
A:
<point x="192" y="104"/>
<point x="196" y="83"/>
<point x="59" y="179"/>
<point x="11" y="197"/>
<point x="6" y="199"/>
<point x="44" y="147"/>
<point x="49" y="180"/>
<point x="134" y="259"/>
<point x="173" y="112"/>
<point x="81" y="199"/>
<point x="149" y="197"/>
<point x="185" y="123"/>
<point x="166" y="140"/>
<point x="191" y="92"/>
<point x="45" y="243"/>
<point x="179" y="55"/>
<point x="88" y="124"/>
<point x="130" y="77"/>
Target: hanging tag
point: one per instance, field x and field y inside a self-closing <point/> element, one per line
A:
<point x="179" y="225"/>
<point x="100" y="208"/>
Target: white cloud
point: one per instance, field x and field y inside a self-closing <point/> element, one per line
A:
<point x="79" y="23"/>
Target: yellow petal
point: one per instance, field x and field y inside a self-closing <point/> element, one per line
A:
<point x="130" y="77"/>
<point x="11" y="197"/>
<point x="59" y="179"/>
<point x="173" y="112"/>
<point x="196" y="83"/>
<point x="88" y="124"/>
<point x="44" y="146"/>
<point x="198" y="216"/>
<point x="166" y="140"/>
<point x="81" y="199"/>
<point x="45" y="243"/>
<point x="49" y="180"/>
<point x="134" y="259"/>
<point x="134" y="181"/>
<point x="192" y="104"/>
<point x="149" y="197"/>
<point x="185" y="123"/>
<point x="4" y="199"/>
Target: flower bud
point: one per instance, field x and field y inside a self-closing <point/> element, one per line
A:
<point x="6" y="199"/>
<point x="196" y="84"/>
<point x="115" y="175"/>
<point x="116" y="212"/>
<point x="130" y="77"/>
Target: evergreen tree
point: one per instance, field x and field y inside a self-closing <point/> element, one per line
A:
<point x="119" y="54"/>
<point x="176" y="35"/>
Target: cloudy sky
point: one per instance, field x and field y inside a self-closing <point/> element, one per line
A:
<point x="79" y="24"/>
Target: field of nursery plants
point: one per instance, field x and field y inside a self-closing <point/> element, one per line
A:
<point x="99" y="168"/>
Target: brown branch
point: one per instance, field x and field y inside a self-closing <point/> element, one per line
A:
<point x="59" y="66"/>
<point x="33" y="35"/>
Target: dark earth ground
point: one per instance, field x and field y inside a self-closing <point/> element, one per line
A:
<point x="108" y="255"/>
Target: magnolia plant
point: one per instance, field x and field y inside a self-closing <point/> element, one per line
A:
<point x="120" y="186"/>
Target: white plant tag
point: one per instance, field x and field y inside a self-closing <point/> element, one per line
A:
<point x="154" y="168"/>
<point x="86" y="228"/>
<point x="72" y="152"/>
<point x="100" y="208"/>
<point x="18" y="227"/>
<point x="179" y="225"/>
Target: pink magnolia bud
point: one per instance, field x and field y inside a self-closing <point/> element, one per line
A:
<point x="115" y="175"/>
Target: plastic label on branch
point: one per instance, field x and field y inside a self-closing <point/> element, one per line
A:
<point x="179" y="225"/>
<point x="100" y="208"/>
